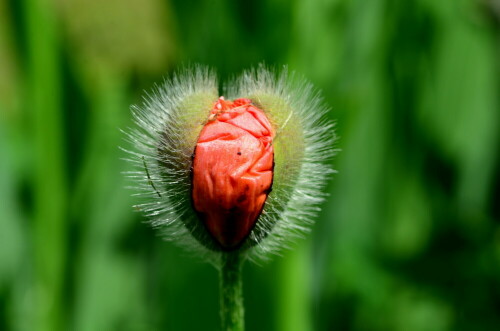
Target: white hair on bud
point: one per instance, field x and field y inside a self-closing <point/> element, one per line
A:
<point x="162" y="180"/>
<point x="168" y="124"/>
<point x="290" y="208"/>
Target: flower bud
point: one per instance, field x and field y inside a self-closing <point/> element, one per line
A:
<point x="219" y="175"/>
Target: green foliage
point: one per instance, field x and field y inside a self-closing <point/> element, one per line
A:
<point x="408" y="240"/>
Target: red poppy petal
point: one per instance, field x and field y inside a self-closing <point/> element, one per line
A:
<point x="232" y="170"/>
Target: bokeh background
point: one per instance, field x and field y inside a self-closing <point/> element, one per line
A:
<point x="409" y="238"/>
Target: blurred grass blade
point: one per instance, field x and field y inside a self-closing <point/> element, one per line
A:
<point x="43" y="101"/>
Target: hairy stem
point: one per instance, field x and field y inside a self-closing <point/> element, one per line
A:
<point x="231" y="293"/>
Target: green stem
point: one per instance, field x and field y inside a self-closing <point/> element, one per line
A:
<point x="231" y="293"/>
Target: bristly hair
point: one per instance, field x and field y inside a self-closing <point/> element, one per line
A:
<point x="168" y="124"/>
<point x="304" y="148"/>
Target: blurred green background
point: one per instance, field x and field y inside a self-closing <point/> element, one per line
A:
<point x="409" y="238"/>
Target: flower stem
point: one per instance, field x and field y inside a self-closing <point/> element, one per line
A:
<point x="232" y="310"/>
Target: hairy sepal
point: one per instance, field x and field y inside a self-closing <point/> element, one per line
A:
<point x="168" y="125"/>
<point x="303" y="148"/>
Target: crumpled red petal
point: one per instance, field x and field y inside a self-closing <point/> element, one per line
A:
<point x="232" y="170"/>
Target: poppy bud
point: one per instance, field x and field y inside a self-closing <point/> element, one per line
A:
<point x="219" y="175"/>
